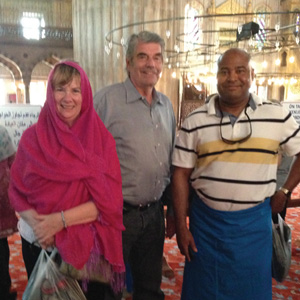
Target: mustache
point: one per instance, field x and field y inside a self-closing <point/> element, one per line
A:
<point x="151" y="69"/>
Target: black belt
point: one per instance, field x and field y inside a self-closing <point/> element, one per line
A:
<point x="140" y="207"/>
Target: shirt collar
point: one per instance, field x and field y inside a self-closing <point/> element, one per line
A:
<point x="254" y="101"/>
<point x="133" y="94"/>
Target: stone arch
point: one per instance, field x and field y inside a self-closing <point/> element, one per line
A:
<point x="39" y="77"/>
<point x="12" y="95"/>
<point x="12" y="66"/>
<point x="40" y="69"/>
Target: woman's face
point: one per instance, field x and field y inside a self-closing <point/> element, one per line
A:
<point x="68" y="101"/>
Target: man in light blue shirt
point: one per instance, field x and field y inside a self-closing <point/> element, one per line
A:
<point x="142" y="122"/>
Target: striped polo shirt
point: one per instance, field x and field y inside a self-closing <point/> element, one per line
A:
<point x="238" y="176"/>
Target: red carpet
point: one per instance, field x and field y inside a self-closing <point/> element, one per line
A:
<point x="288" y="290"/>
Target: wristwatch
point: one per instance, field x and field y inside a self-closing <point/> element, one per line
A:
<point x="286" y="191"/>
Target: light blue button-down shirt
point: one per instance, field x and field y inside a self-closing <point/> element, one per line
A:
<point x="144" y="136"/>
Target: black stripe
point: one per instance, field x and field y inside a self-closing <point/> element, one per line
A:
<point x="228" y="200"/>
<point x="265" y="120"/>
<point x="200" y="127"/>
<point x="254" y="150"/>
<point x="291" y="136"/>
<point x="271" y="120"/>
<point x="196" y="112"/>
<point x="235" y="181"/>
<point x="185" y="149"/>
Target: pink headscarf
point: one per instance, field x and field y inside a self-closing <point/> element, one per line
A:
<point x="58" y="167"/>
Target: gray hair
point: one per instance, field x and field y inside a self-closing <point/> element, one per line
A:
<point x="143" y="37"/>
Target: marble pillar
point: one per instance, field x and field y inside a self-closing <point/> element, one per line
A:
<point x="103" y="56"/>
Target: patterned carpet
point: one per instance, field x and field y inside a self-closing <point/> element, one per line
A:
<point x="288" y="290"/>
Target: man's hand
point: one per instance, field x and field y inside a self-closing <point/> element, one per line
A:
<point x="170" y="228"/>
<point x="278" y="201"/>
<point x="186" y="243"/>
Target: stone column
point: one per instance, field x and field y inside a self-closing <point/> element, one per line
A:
<point x="26" y="81"/>
<point x="104" y="61"/>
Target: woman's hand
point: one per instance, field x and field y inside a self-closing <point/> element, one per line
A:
<point x="49" y="243"/>
<point x="46" y="227"/>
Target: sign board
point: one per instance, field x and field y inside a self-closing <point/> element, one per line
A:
<point x="294" y="108"/>
<point x="18" y="117"/>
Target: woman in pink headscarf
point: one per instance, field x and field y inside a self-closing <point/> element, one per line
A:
<point x="66" y="183"/>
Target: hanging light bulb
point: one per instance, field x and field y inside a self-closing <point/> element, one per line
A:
<point x="240" y="28"/>
<point x="281" y="82"/>
<point x="277" y="62"/>
<point x="264" y="64"/>
<point x="107" y="50"/>
<point x="174" y="74"/>
<point x="122" y="41"/>
<point x="169" y="66"/>
<point x="292" y="59"/>
<point x="277" y="44"/>
<point x="277" y="27"/>
<point x="261" y="80"/>
<point x="168" y="33"/>
<point x="118" y="55"/>
<point x="293" y="80"/>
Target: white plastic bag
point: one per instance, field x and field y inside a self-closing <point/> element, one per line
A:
<point x="282" y="250"/>
<point x="47" y="283"/>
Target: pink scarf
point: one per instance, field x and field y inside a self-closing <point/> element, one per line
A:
<point x="58" y="167"/>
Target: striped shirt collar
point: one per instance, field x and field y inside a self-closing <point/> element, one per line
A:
<point x="253" y="102"/>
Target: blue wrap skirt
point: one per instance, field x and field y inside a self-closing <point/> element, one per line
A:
<point x="234" y="255"/>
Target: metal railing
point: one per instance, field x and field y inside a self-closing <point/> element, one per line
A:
<point x="47" y="33"/>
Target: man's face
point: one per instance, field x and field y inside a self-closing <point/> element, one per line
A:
<point x="145" y="67"/>
<point x="234" y="77"/>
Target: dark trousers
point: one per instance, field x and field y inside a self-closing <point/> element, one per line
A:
<point x="143" y="242"/>
<point x="5" y="281"/>
<point x="95" y="290"/>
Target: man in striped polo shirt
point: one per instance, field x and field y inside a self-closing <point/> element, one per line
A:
<point x="227" y="150"/>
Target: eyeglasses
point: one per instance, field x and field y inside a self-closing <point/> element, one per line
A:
<point x="242" y="140"/>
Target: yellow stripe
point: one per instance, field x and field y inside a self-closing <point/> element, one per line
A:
<point x="240" y="156"/>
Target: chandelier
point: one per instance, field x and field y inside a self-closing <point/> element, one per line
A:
<point x="183" y="52"/>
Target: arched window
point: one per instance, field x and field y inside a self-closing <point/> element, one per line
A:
<point x="33" y="24"/>
<point x="263" y="23"/>
<point x="281" y="93"/>
<point x="192" y="25"/>
<point x="297" y="27"/>
<point x="283" y="59"/>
